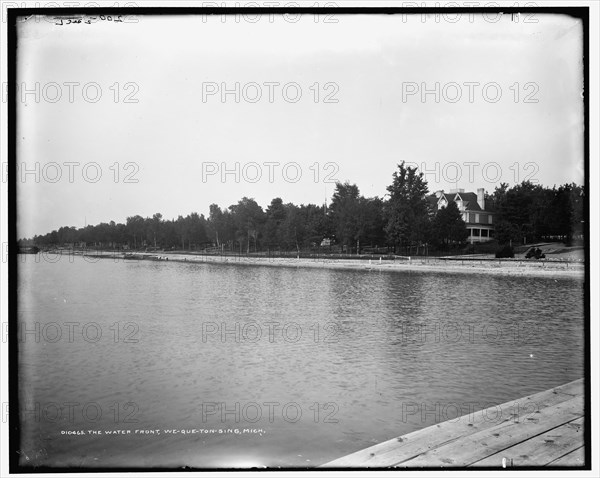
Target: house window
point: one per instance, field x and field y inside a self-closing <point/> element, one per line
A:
<point x="490" y="219"/>
<point x="477" y="218"/>
<point x="484" y="233"/>
<point x="476" y="232"/>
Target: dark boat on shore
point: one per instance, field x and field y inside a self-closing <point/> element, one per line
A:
<point x="129" y="255"/>
<point x="141" y="257"/>
<point x="27" y="249"/>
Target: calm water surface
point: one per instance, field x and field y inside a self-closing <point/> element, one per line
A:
<point x="306" y="364"/>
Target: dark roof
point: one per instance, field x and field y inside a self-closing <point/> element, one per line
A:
<point x="432" y="200"/>
<point x="469" y="200"/>
<point x="472" y="206"/>
<point x="467" y="196"/>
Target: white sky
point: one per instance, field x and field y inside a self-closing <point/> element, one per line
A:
<point x="170" y="132"/>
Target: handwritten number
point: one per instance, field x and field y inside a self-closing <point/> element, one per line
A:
<point x="92" y="19"/>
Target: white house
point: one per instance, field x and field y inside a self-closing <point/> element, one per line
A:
<point x="475" y="209"/>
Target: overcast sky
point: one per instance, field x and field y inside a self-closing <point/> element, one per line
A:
<point x="360" y="112"/>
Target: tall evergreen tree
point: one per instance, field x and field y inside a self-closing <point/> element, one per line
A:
<point x="406" y="210"/>
<point x="448" y="226"/>
<point x="344" y="210"/>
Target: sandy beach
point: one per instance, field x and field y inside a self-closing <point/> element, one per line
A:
<point x="509" y="267"/>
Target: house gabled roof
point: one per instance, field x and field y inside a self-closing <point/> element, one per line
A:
<point x="472" y="206"/>
<point x="467" y="196"/>
<point x="469" y="201"/>
<point x="447" y="197"/>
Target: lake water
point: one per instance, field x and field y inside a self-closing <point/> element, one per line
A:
<point x="306" y="364"/>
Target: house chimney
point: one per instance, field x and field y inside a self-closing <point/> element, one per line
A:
<point x="481" y="198"/>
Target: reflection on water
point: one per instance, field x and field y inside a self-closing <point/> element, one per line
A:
<point x="306" y="364"/>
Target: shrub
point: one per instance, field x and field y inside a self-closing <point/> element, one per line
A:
<point x="505" y="251"/>
<point x="488" y="247"/>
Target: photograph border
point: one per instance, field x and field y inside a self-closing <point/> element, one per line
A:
<point x="579" y="12"/>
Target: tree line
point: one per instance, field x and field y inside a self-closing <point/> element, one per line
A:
<point x="402" y="221"/>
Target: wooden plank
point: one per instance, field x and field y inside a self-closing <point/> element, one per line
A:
<point x="540" y="450"/>
<point x="477" y="446"/>
<point x="398" y="449"/>
<point x="575" y="458"/>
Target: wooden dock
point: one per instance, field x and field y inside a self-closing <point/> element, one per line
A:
<point x="545" y="429"/>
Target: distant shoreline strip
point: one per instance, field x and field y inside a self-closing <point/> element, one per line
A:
<point x="417" y="264"/>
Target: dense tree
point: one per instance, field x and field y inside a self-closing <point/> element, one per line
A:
<point x="448" y="226"/>
<point x="291" y="230"/>
<point x="407" y="210"/>
<point x="523" y="213"/>
<point x="578" y="211"/>
<point x="371" y="223"/>
<point x="345" y="213"/>
<point x="249" y="218"/>
<point x="135" y="225"/>
<point x="220" y="226"/>
<point x="356" y="220"/>
<point x="529" y="213"/>
<point x="155" y="229"/>
<point x="275" y="216"/>
<point x="317" y="224"/>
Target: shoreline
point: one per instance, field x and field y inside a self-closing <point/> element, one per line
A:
<point x="514" y="268"/>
